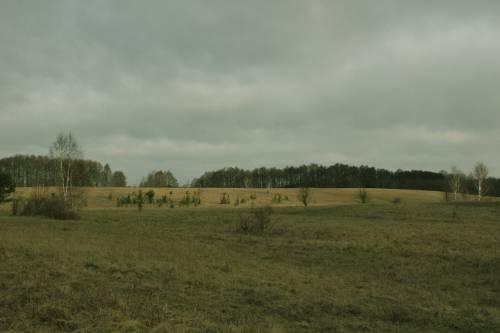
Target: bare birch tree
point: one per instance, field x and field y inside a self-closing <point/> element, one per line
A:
<point x="480" y="175"/>
<point x="65" y="150"/>
<point x="456" y="181"/>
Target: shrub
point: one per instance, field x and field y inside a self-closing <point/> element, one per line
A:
<point x="396" y="200"/>
<point x="257" y="221"/>
<point x="162" y="201"/>
<point x="363" y="195"/>
<point x="6" y="186"/>
<point x="52" y="206"/>
<point x="150" y="195"/>
<point x="171" y="200"/>
<point x="305" y="196"/>
<point x="139" y="200"/>
<point x="224" y="199"/>
<point x="123" y="201"/>
<point x="277" y="198"/>
<point x="186" y="199"/>
<point x="196" y="198"/>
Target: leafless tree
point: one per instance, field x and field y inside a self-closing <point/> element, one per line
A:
<point x="480" y="175"/>
<point x="65" y="150"/>
<point x="456" y="180"/>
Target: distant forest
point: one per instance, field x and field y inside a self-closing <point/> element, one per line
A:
<point x="336" y="176"/>
<point x="30" y="170"/>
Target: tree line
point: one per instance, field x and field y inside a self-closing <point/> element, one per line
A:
<point x="65" y="167"/>
<point x="34" y="171"/>
<point x="159" y="178"/>
<point x="339" y="176"/>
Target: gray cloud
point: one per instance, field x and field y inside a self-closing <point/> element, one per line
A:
<point x="197" y="85"/>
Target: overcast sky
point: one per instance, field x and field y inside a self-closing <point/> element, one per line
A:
<point x="192" y="86"/>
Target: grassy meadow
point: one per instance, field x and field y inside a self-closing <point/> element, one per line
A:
<point x="418" y="266"/>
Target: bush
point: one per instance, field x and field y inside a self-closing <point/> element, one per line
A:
<point x="363" y="195"/>
<point x="186" y="199"/>
<point x="6" y="186"/>
<point x="139" y="200"/>
<point x="224" y="199"/>
<point x="162" y="201"/>
<point x="277" y="198"/>
<point x="196" y="198"/>
<point x="52" y="206"/>
<point x="257" y="221"/>
<point x="150" y="195"/>
<point x="123" y="201"/>
<point x="396" y="200"/>
<point x="305" y="196"/>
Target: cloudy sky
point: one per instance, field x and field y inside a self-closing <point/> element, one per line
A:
<point x="194" y="85"/>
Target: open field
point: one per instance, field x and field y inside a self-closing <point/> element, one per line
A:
<point x="419" y="266"/>
<point x="105" y="197"/>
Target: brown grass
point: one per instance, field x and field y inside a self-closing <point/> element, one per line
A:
<point x="210" y="197"/>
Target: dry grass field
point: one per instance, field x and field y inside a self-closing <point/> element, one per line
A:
<point x="418" y="266"/>
<point x="105" y="197"/>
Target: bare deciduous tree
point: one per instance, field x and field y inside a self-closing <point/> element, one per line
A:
<point x="456" y="180"/>
<point x="65" y="150"/>
<point x="480" y="175"/>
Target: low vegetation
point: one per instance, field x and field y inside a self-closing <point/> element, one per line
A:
<point x="256" y="221"/>
<point x="363" y="195"/>
<point x="7" y="186"/>
<point x="427" y="267"/>
<point x="305" y="196"/>
<point x="225" y="199"/>
<point x="51" y="205"/>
